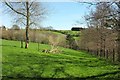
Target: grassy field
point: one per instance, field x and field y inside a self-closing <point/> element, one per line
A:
<point x="20" y="63"/>
<point x="70" y="32"/>
<point x="74" y="34"/>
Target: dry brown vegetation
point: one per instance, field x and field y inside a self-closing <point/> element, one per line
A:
<point x="43" y="37"/>
<point x="100" y="42"/>
<point x="103" y="35"/>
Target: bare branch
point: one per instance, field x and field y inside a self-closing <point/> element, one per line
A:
<point x="31" y="5"/>
<point x="14" y="9"/>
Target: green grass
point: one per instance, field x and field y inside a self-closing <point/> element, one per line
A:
<point x="71" y="32"/>
<point x="30" y="63"/>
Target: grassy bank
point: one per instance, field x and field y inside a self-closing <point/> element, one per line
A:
<point x="33" y="64"/>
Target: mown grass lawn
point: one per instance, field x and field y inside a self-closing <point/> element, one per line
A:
<point x="30" y="63"/>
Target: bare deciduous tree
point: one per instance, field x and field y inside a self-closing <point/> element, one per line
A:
<point x="106" y="15"/>
<point x="28" y="13"/>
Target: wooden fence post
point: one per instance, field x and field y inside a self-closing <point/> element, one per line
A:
<point x="97" y="52"/>
<point x="100" y="52"/>
<point x="113" y="55"/>
<point x="104" y="53"/>
<point x="88" y="49"/>
<point x="21" y="43"/>
<point x="107" y="54"/>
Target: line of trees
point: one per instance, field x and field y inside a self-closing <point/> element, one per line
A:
<point x="103" y="35"/>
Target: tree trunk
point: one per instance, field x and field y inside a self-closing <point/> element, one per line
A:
<point x="27" y="26"/>
<point x="118" y="31"/>
<point x="21" y="43"/>
<point x="118" y="44"/>
<point x="27" y="38"/>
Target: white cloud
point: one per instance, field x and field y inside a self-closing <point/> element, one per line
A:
<point x="81" y="25"/>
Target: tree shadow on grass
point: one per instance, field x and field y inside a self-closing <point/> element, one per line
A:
<point x="38" y="76"/>
<point x="20" y="76"/>
<point x="9" y="45"/>
<point x="96" y="77"/>
<point x="57" y="70"/>
<point x="60" y="69"/>
<point x="68" y="77"/>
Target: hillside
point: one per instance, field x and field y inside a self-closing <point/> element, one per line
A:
<point x="20" y="63"/>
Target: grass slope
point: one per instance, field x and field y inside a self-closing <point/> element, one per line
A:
<point x="31" y="63"/>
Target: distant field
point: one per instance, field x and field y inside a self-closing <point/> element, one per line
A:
<point x="20" y="63"/>
<point x="73" y="33"/>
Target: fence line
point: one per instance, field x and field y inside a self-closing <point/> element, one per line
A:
<point x="107" y="54"/>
